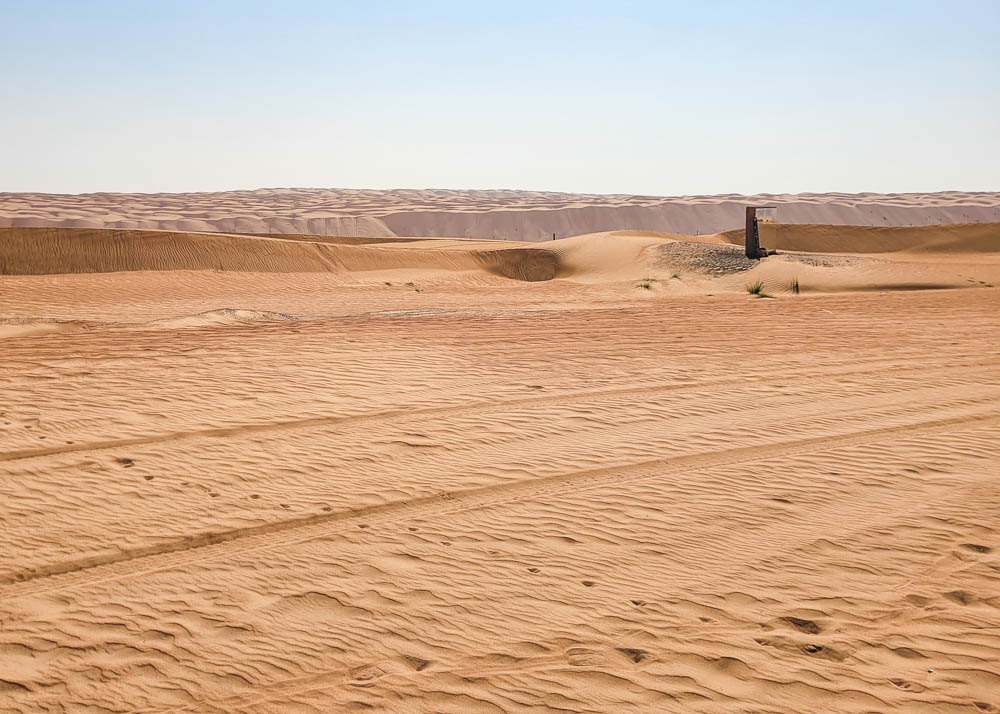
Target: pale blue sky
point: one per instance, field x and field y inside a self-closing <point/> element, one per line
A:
<point x="605" y="97"/>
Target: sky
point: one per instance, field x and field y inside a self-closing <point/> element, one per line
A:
<point x="659" y="98"/>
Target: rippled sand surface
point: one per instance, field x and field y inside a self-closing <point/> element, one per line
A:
<point x="440" y="488"/>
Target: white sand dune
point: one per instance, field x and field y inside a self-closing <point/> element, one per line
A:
<point x="511" y="215"/>
<point x="254" y="474"/>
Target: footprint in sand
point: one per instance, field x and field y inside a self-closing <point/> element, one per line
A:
<point x="802" y="625"/>
<point x="585" y="657"/>
<point x="365" y="675"/>
<point x="962" y="597"/>
<point x="635" y="655"/>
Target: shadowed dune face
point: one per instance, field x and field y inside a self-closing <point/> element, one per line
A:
<point x="962" y="238"/>
<point x="511" y="215"/>
<point x="526" y="264"/>
<point x="41" y="251"/>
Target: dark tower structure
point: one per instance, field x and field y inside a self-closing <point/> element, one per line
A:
<point x="753" y="246"/>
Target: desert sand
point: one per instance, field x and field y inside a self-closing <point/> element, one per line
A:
<point x="511" y="215"/>
<point x="334" y="474"/>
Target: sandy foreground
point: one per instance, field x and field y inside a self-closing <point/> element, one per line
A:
<point x="246" y="474"/>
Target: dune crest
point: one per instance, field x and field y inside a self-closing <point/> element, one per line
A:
<point x="41" y="251"/>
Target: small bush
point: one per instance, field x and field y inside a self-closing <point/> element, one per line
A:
<point x="757" y="288"/>
<point x="793" y="285"/>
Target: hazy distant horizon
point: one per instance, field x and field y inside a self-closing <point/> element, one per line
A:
<point x="641" y="98"/>
<point x="501" y="190"/>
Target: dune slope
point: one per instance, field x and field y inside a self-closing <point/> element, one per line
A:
<point x="958" y="238"/>
<point x="40" y="251"/>
<point x="660" y="263"/>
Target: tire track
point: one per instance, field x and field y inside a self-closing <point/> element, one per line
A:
<point x="333" y="680"/>
<point x="226" y="544"/>
<point x="458" y="409"/>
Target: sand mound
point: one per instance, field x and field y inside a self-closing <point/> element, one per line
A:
<point x="15" y="327"/>
<point x="528" y="264"/>
<point x="612" y="255"/>
<point x="659" y="259"/>
<point x="959" y="238"/>
<point x="41" y="251"/>
<point x="223" y="316"/>
<point x="44" y="251"/>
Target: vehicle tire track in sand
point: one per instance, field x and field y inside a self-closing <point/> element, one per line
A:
<point x="457" y="409"/>
<point x="210" y="546"/>
<point x="334" y="682"/>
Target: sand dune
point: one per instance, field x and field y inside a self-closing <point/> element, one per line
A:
<point x="512" y="215"/>
<point x="658" y="261"/>
<point x="960" y="238"/>
<point x="252" y="474"/>
<point x="39" y="251"/>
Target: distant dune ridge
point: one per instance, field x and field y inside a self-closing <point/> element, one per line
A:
<point x="499" y="214"/>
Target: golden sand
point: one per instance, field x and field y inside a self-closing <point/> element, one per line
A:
<point x="592" y="475"/>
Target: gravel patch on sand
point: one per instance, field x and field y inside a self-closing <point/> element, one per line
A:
<point x="703" y="258"/>
<point x="829" y="261"/>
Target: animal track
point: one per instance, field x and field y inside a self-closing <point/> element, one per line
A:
<point x="635" y="655"/>
<point x="365" y="675"/>
<point x="807" y="626"/>
<point x="961" y="597"/>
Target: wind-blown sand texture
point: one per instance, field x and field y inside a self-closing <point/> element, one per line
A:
<point x="249" y="474"/>
<point x="511" y="215"/>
